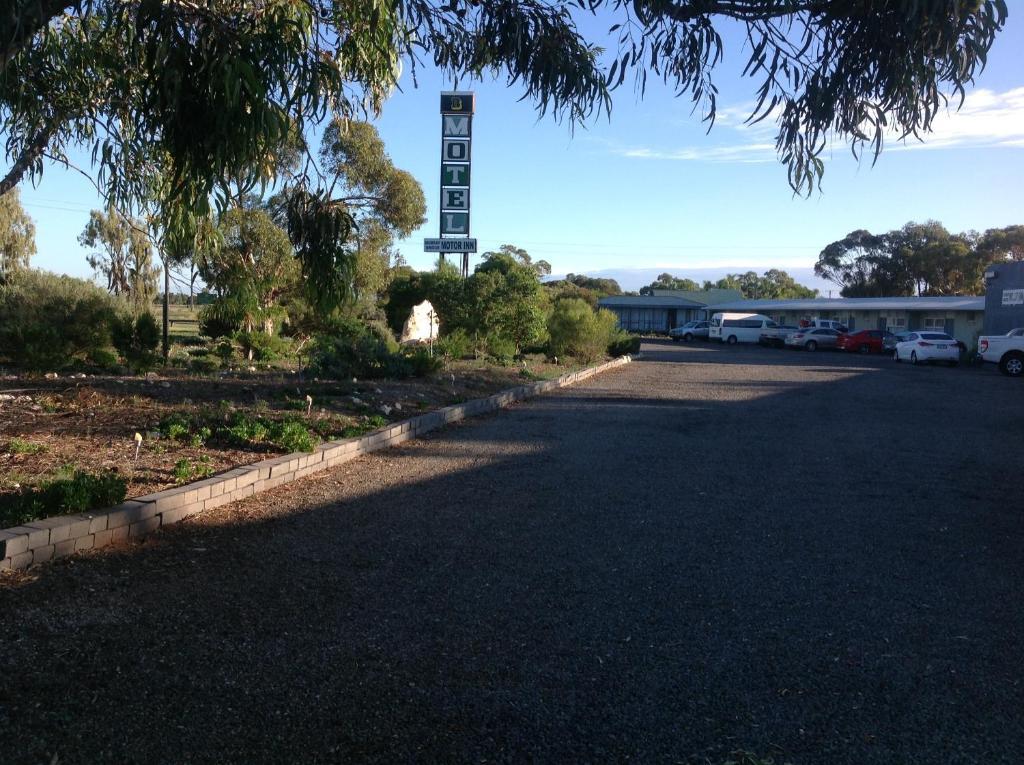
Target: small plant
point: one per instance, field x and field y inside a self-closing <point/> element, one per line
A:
<point x="244" y="429"/>
<point x="199" y="438"/>
<point x="174" y="426"/>
<point x="454" y="345"/>
<point x="185" y="470"/>
<point x="421" y="363"/>
<point x="21" y="446"/>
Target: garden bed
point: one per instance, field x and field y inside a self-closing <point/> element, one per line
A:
<point x="52" y="428"/>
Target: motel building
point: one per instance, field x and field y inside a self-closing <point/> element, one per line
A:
<point x="961" y="317"/>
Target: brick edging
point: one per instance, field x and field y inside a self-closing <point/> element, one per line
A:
<point x="57" y="537"/>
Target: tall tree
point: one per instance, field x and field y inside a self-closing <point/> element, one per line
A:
<point x="209" y="91"/>
<point x="521" y="256"/>
<point x="667" y="281"/>
<point x="917" y="259"/>
<point x="123" y="255"/>
<point x="17" y="235"/>
<point x="251" y="269"/>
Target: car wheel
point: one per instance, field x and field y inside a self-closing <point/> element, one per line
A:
<point x="811" y="346"/>
<point x="913" y="357"/>
<point x="687" y="337"/>
<point x="731" y="340"/>
<point x="1012" y="364"/>
<point x="865" y="349"/>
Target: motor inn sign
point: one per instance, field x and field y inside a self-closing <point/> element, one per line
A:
<point x="456" y="156"/>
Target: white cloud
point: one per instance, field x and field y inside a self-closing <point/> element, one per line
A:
<point x="986" y="119"/>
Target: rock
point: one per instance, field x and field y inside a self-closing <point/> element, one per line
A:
<point x="398" y="406"/>
<point x="252" y="369"/>
<point x="358" y="401"/>
<point x="151" y="375"/>
<point x="165" y="384"/>
<point x="385" y="408"/>
<point x="79" y="376"/>
<point x="50" y="375"/>
<point x="6" y="397"/>
<point x="153" y="435"/>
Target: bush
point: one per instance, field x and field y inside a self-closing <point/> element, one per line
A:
<point x="264" y="347"/>
<point x="579" y="331"/>
<point x="136" y="339"/>
<point x="79" y="493"/>
<point x="454" y="345"/>
<point x="50" y="322"/>
<point x="104" y="359"/>
<point x="293" y="436"/>
<point x="357" y="349"/>
<point x="500" y="348"/>
<point x="186" y="470"/>
<point x="622" y="343"/>
<point x="421" y="363"/>
<point x="219" y="319"/>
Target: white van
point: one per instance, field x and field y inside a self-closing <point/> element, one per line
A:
<point x="734" y="328"/>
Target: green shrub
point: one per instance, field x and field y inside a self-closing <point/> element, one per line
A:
<point x="203" y="366"/>
<point x="293" y="436"/>
<point x="243" y="429"/>
<point x="219" y="319"/>
<point x="454" y="345"/>
<point x="357" y="349"/>
<point x="104" y="359"/>
<point x="622" y="343"/>
<point x="579" y="331"/>
<point x="264" y="347"/>
<point x="79" y="493"/>
<point x="136" y="339"/>
<point x="500" y="348"/>
<point x="421" y="363"/>
<point x="50" y="322"/>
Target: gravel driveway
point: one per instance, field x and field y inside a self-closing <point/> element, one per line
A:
<point x="813" y="557"/>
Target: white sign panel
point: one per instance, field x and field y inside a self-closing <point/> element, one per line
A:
<point x="1013" y="297"/>
<point x="449" y="245"/>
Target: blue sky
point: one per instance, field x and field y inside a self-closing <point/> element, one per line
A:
<point x="649" y="188"/>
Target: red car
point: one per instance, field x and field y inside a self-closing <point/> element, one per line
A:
<point x="864" y="341"/>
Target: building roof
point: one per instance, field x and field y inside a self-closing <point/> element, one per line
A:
<point x="647" y="301"/>
<point x="856" y="304"/>
<point x="704" y="297"/>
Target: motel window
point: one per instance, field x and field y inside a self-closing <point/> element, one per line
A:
<point x="896" y="323"/>
<point x="935" y="323"/>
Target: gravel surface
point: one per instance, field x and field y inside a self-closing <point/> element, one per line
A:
<point x="814" y="557"/>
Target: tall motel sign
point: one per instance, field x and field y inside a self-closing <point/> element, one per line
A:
<point x="456" y="151"/>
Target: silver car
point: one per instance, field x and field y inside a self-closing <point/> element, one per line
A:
<point x="813" y="338"/>
<point x="690" y="331"/>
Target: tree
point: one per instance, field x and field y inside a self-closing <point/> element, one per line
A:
<point x="773" y="285"/>
<point x="540" y="267"/>
<point x="17" y="235"/>
<point x="917" y="259"/>
<point x="123" y="255"/>
<point x="209" y="92"/>
<point x="506" y="302"/>
<point x="669" y="282"/>
<point x="251" y="270"/>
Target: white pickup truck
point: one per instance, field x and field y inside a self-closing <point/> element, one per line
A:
<point x="1005" y="350"/>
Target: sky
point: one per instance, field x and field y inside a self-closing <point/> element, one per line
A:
<point x="650" y="188"/>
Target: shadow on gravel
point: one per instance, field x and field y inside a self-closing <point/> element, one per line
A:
<point x="636" y="568"/>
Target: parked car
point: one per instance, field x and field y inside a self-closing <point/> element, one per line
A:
<point x="690" y="331"/>
<point x="826" y="323"/>
<point x="863" y="341"/>
<point x="735" y="328"/>
<point x="775" y="337"/>
<point x="891" y="338"/>
<point x="1005" y="350"/>
<point x="926" y="347"/>
<point x="813" y="338"/>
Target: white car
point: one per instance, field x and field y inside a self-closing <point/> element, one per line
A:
<point x="923" y="346"/>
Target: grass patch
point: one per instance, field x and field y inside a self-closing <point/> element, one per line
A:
<point x="21" y="446"/>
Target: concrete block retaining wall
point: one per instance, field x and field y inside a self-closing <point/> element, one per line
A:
<point x="44" y="540"/>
